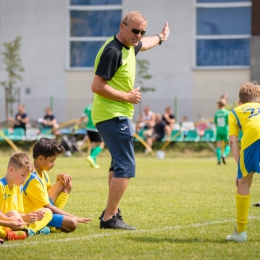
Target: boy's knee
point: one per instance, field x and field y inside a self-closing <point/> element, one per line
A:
<point x="68" y="188"/>
<point x="71" y="224"/>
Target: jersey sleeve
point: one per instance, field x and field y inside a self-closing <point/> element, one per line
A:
<point x="37" y="193"/>
<point x="109" y="62"/>
<point x="233" y="126"/>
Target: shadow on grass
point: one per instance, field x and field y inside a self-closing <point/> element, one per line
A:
<point x="146" y="239"/>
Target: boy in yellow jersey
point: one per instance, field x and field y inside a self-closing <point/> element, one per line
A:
<point x="245" y="117"/>
<point x="38" y="191"/>
<point x="11" y="203"/>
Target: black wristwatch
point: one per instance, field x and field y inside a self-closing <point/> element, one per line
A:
<point x="160" y="39"/>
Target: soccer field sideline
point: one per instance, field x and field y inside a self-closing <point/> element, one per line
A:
<point x="50" y="241"/>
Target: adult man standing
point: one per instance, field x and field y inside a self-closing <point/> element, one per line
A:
<point x="112" y="110"/>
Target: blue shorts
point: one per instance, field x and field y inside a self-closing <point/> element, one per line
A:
<point x="57" y="219"/>
<point x="117" y="134"/>
<point x="249" y="160"/>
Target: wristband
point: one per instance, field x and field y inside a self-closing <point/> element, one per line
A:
<point x="160" y="38"/>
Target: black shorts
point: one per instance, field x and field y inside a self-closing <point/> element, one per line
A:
<point x="94" y="136"/>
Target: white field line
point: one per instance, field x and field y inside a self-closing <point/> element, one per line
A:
<point x="51" y="241"/>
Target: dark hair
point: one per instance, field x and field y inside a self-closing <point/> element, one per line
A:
<point x="47" y="148"/>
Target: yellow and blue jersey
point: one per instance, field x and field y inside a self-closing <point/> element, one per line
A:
<point x="246" y="118"/>
<point x="35" y="191"/>
<point x="10" y="199"/>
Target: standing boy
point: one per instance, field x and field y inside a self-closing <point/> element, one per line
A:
<point x="245" y="117"/>
<point x="221" y="122"/>
<point x="38" y="191"/>
<point x="12" y="218"/>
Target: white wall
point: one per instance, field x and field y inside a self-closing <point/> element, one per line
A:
<point x="42" y="25"/>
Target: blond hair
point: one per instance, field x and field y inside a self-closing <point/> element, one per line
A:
<point x="249" y="92"/>
<point x="20" y="159"/>
<point x="133" y="16"/>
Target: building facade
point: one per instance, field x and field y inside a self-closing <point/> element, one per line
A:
<point x="213" y="47"/>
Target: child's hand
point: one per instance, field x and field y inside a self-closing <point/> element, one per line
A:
<point x="84" y="220"/>
<point x="31" y="217"/>
<point x="64" y="178"/>
<point x="40" y="215"/>
<point x="16" y="224"/>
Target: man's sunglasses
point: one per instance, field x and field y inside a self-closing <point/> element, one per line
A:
<point x="135" y="31"/>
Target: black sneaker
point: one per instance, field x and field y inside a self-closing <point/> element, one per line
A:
<point x="118" y="214"/>
<point x="257" y="204"/>
<point x="223" y="159"/>
<point x="115" y="223"/>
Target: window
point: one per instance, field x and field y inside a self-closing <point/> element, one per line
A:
<point x="223" y="31"/>
<point x="91" y="23"/>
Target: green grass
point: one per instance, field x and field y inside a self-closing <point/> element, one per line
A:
<point x="183" y="208"/>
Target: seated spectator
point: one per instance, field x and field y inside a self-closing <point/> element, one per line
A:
<point x="158" y="132"/>
<point x="21" y="118"/>
<point x="146" y="119"/>
<point x="49" y="120"/>
<point x="168" y="117"/>
<point x="186" y="125"/>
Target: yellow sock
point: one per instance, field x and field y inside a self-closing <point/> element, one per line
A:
<point x="2" y="233"/>
<point x="40" y="224"/>
<point x="242" y="202"/>
<point x="62" y="199"/>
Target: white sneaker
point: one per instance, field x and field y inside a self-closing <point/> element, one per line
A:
<point x="241" y="237"/>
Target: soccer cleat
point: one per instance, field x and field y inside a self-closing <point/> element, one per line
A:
<point x="91" y="161"/>
<point x="114" y="223"/>
<point x="1" y="241"/>
<point x="96" y="166"/>
<point x="43" y="231"/>
<point x="118" y="214"/>
<point x="219" y="163"/>
<point x="223" y="159"/>
<point x="15" y="235"/>
<point x="241" y="237"/>
<point x="257" y="204"/>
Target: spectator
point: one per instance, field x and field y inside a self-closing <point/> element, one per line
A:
<point x="186" y="125"/>
<point x="168" y="117"/>
<point x="158" y="132"/>
<point x="49" y="120"/>
<point x="21" y="118"/>
<point x="146" y="120"/>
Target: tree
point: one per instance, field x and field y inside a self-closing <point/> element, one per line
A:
<point x="142" y="74"/>
<point x="12" y="60"/>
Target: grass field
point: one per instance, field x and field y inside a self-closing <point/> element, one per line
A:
<point x="183" y="208"/>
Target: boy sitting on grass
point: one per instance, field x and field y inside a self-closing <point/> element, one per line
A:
<point x="12" y="219"/>
<point x="38" y="191"/>
<point x="247" y="118"/>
